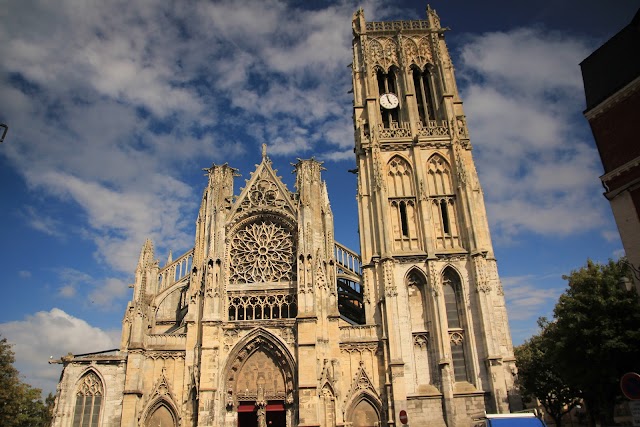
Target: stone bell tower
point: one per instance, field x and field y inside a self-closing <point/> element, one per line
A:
<point x="428" y="265"/>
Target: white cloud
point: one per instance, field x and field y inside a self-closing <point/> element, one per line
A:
<point x="113" y="104"/>
<point x="112" y="289"/>
<point x="103" y="294"/>
<point x="42" y="222"/>
<point x="67" y="291"/>
<point x="523" y="96"/>
<point x="619" y="253"/>
<point x="526" y="299"/>
<point x="52" y="333"/>
<point x="611" y="235"/>
<point x="528" y="60"/>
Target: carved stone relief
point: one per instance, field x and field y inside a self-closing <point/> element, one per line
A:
<point x="383" y="52"/>
<point x="417" y="51"/>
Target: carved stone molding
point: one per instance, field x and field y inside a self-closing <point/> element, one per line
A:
<point x="164" y="355"/>
<point x="451" y="258"/>
<point x="360" y="347"/>
<point x="421" y="339"/>
<point x="434" y="279"/>
<point x="456" y="337"/>
<point x="417" y="51"/>
<point x="390" y="289"/>
<point x="361" y="383"/>
<point x="482" y="282"/>
<point x="383" y="51"/>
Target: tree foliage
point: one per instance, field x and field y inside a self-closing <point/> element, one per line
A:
<point x="597" y="334"/>
<point x="538" y="376"/>
<point x="592" y="340"/>
<point x="20" y="404"/>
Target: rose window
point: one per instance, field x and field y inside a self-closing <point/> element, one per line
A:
<point x="262" y="252"/>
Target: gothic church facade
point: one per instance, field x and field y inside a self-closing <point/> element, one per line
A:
<point x="269" y="321"/>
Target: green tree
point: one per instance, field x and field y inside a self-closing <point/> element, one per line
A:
<point x="20" y="404"/>
<point x="596" y="335"/>
<point x="539" y="378"/>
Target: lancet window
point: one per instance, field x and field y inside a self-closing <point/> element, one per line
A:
<point x="423" y="84"/>
<point x="442" y="201"/>
<point x="452" y="291"/>
<point x="402" y="204"/>
<point x="388" y="83"/>
<point x="329" y="407"/>
<point x="419" y="313"/>
<point x="88" y="401"/>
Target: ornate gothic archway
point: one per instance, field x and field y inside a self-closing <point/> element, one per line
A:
<point x="259" y="381"/>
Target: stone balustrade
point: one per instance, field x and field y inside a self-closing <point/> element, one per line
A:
<point x="166" y="341"/>
<point x="359" y="333"/>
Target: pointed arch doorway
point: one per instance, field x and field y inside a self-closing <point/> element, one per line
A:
<point x="260" y="384"/>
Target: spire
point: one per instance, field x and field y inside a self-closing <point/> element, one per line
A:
<point x="433" y="18"/>
<point x="146" y="254"/>
<point x="264" y="151"/>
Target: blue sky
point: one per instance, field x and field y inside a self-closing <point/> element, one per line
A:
<point x="114" y="108"/>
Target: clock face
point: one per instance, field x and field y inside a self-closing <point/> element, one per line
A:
<point x="389" y="101"/>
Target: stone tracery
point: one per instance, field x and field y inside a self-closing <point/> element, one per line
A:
<point x="262" y="252"/>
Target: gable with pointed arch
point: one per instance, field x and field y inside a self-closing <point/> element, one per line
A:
<point x="160" y="405"/>
<point x="161" y="413"/>
<point x="244" y="384"/>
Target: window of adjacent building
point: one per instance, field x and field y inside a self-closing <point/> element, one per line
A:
<point x="455" y="322"/>
<point x="88" y="401"/>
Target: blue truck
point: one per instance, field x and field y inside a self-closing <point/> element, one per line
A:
<point x="524" y="419"/>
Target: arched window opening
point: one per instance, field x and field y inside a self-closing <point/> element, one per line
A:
<point x="400" y="177"/>
<point x="458" y="357"/>
<point x="364" y="415"/>
<point x="329" y="407"/>
<point x="350" y="299"/>
<point x="443" y="203"/>
<point x="402" y="202"/>
<point x="387" y="83"/>
<point x="161" y="416"/>
<point x="453" y="305"/>
<point x="403" y="222"/>
<point x="451" y="302"/>
<point x="422" y="82"/>
<point x="416" y="284"/>
<point x="439" y="172"/>
<point x="88" y="401"/>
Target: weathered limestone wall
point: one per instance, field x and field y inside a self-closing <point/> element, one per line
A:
<point x="111" y="376"/>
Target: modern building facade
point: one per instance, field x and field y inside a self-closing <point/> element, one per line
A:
<point x="269" y="321"/>
<point x="611" y="79"/>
